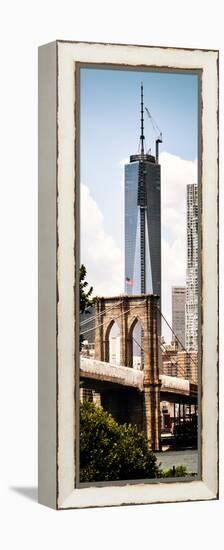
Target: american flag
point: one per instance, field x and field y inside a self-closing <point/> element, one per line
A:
<point x="129" y="281"/>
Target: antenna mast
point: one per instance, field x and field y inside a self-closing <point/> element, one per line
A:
<point x="142" y="137"/>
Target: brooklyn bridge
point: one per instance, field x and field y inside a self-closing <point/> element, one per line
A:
<point x="131" y="395"/>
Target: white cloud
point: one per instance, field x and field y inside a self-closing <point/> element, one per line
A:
<point x="102" y="256"/>
<point x="176" y="173"/>
<point x="99" y="252"/>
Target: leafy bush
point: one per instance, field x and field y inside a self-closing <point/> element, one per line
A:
<point x="175" y="471"/>
<point x="109" y="451"/>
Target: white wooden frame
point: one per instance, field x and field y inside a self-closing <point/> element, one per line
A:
<point x="57" y="172"/>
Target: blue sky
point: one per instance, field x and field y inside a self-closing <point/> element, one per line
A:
<point x="110" y="126"/>
<point x="109" y="134"/>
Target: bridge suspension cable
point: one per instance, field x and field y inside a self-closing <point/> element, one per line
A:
<point x="118" y="316"/>
<point x="177" y="338"/>
<point x="181" y="369"/>
<point x="127" y="311"/>
<point x="100" y="314"/>
<point x="173" y="362"/>
<point x="137" y="307"/>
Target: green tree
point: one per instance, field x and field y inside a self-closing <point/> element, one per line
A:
<point x="109" y="451"/>
<point x="86" y="299"/>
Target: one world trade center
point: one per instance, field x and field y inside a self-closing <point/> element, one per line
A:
<point x="143" y="219"/>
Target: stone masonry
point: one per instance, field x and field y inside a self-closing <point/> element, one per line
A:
<point x="126" y="311"/>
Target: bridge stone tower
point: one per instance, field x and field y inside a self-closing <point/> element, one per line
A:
<point x="126" y="311"/>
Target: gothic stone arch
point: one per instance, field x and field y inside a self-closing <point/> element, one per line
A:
<point x="125" y="310"/>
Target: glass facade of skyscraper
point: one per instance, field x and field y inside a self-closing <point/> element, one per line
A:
<point x="132" y="279"/>
<point x="142" y="242"/>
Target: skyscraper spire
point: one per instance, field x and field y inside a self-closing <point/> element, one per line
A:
<point x="142" y="137"/>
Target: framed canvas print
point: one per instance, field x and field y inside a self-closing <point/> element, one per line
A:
<point x="128" y="274"/>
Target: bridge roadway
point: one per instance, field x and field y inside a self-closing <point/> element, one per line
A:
<point x="172" y="388"/>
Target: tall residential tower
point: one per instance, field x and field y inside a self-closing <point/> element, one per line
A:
<point x="192" y="269"/>
<point x="178" y="314"/>
<point x="143" y="219"/>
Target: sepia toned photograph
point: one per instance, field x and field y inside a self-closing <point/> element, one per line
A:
<point x="139" y="295"/>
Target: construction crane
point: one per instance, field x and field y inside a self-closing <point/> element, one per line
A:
<point x="157" y="131"/>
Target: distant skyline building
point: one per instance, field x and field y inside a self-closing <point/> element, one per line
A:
<point x="182" y="364"/>
<point x="114" y="352"/>
<point x="143" y="219"/>
<point x="192" y="269"/>
<point x="178" y="314"/>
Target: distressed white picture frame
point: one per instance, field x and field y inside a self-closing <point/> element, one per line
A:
<point x="57" y="255"/>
